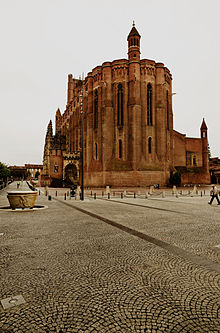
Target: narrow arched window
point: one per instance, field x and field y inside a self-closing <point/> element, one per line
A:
<point x="96" y="151"/>
<point x="120" y="149"/>
<point x="149" y="145"/>
<point x="168" y="120"/>
<point x="149" y="104"/>
<point x="194" y="160"/>
<point x="120" y="105"/>
<point x="96" y="110"/>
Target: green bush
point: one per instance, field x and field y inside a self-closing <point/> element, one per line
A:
<point x="37" y="174"/>
<point x="4" y="171"/>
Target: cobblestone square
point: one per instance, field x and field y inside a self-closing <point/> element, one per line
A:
<point x="111" y="265"/>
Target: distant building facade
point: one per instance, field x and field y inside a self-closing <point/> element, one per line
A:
<point x="32" y="169"/>
<point x="25" y="171"/>
<point x="128" y="136"/>
<point x="214" y="169"/>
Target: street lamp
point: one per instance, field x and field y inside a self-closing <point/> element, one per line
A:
<point x="82" y="147"/>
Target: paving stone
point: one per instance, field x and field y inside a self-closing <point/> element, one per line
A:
<point x="81" y="274"/>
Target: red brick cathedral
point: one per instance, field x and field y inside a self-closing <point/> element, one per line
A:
<point x="128" y="136"/>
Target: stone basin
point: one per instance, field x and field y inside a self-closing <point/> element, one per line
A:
<point x="22" y="199"/>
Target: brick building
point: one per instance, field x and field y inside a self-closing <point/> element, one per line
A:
<point x="128" y="138"/>
<point x="26" y="171"/>
<point x="214" y="169"/>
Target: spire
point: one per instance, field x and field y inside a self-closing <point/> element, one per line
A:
<point x="203" y="129"/>
<point x="133" y="32"/>
<point x="50" y="129"/>
<point x="203" y="126"/>
<point x="58" y="113"/>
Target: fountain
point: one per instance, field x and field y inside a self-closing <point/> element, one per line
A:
<point x="22" y="199"/>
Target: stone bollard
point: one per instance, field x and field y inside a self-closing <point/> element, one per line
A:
<point x="107" y="190"/>
<point x="125" y="193"/>
<point x="139" y="193"/>
<point x="146" y="195"/>
<point x="163" y="194"/>
<point x="77" y="197"/>
<point x="46" y="191"/>
<point x="78" y="191"/>
<point x="174" y="189"/>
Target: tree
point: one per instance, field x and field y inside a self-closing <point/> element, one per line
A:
<point x="37" y="173"/>
<point x="4" y="172"/>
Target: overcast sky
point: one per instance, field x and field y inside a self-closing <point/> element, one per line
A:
<point x="43" y="41"/>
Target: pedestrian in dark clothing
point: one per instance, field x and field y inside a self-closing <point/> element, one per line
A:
<point x="214" y="194"/>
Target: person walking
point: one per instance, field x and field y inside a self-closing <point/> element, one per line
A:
<point x="214" y="194"/>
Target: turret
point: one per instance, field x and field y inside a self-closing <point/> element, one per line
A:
<point x="134" y="98"/>
<point x="70" y="88"/>
<point x="203" y="129"/>
<point x="47" y="147"/>
<point x="49" y="130"/>
<point x="205" y="155"/>
<point x="57" y="121"/>
<point x="134" y="44"/>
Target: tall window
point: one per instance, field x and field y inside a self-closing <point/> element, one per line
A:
<point x="168" y="120"/>
<point x="194" y="160"/>
<point x="96" y="151"/>
<point x="149" y="145"/>
<point x="120" y="105"/>
<point x="120" y="149"/>
<point x="149" y="104"/>
<point x="96" y="110"/>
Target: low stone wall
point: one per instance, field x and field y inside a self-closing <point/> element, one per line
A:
<point x="195" y="178"/>
<point x="126" y="178"/>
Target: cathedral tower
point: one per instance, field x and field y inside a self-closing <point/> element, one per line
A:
<point x="134" y="97"/>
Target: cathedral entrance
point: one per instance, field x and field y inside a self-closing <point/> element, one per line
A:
<point x="70" y="175"/>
